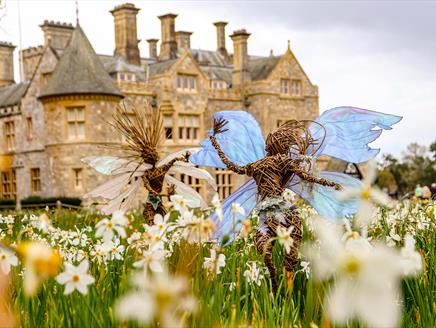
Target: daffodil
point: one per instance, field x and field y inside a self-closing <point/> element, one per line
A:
<point x="253" y="274"/>
<point x="106" y="228"/>
<point x="7" y="259"/>
<point x="284" y="237"/>
<point x="214" y="263"/>
<point x="75" y="277"/>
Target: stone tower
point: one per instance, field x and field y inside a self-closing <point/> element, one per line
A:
<point x="126" y="37"/>
<point x="168" y="46"/>
<point x="240" y="73"/>
<point x="78" y="100"/>
<point x="183" y="39"/>
<point x="56" y="34"/>
<point x="6" y="63"/>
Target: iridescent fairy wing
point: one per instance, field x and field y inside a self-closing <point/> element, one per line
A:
<point x="324" y="199"/>
<point x="228" y="228"/>
<point x="176" y="154"/>
<point x="347" y="131"/>
<point x="110" y="165"/>
<point x="195" y="172"/>
<point x="123" y="201"/>
<point x="242" y="142"/>
<point x="186" y="191"/>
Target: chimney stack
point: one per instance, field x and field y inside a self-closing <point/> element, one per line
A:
<point x="152" y="48"/>
<point x="221" y="38"/>
<point x="240" y="73"/>
<point x="183" y="40"/>
<point x="56" y="34"/>
<point x="168" y="46"/>
<point x="126" y="37"/>
<point x="6" y="63"/>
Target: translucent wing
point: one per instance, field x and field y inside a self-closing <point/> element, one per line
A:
<point x="246" y="196"/>
<point x="110" y="189"/>
<point x="348" y="131"/>
<point x="186" y="191"/>
<point x="122" y="201"/>
<point x="109" y="165"/>
<point x="324" y="199"/>
<point x="242" y="143"/>
<point x="176" y="154"/>
<point x="191" y="170"/>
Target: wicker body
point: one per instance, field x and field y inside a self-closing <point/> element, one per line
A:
<point x="286" y="148"/>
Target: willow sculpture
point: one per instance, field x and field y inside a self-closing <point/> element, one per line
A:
<point x="139" y="166"/>
<point x="287" y="160"/>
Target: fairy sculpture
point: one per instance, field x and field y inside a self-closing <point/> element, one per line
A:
<point x="142" y="130"/>
<point x="287" y="160"/>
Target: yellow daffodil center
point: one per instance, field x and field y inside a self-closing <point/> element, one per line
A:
<point x="352" y="265"/>
<point x="365" y="193"/>
<point x="109" y="224"/>
<point x="3" y="257"/>
<point x="75" y="278"/>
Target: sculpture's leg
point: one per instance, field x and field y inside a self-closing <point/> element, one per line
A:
<point x="291" y="258"/>
<point x="149" y="212"/>
<point x="264" y="245"/>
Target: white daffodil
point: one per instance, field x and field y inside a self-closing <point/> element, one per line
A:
<point x="289" y="196"/>
<point x="196" y="229"/>
<point x="284" y="237"/>
<point x="113" y="249"/>
<point x="182" y="204"/>
<point x="253" y="274"/>
<point x="160" y="297"/>
<point x="152" y="260"/>
<point x="367" y="195"/>
<point x="133" y="237"/>
<point x="75" y="277"/>
<point x="106" y="228"/>
<point x="42" y="223"/>
<point x="305" y="267"/>
<point x="218" y="206"/>
<point x="367" y="277"/>
<point x="214" y="263"/>
<point x="237" y="209"/>
<point x="411" y="261"/>
<point x="393" y="238"/>
<point x="7" y="259"/>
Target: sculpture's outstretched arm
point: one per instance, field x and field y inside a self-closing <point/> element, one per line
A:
<point x="218" y="125"/>
<point x="184" y="158"/>
<point x="294" y="167"/>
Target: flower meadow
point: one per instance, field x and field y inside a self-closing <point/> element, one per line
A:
<point x="61" y="268"/>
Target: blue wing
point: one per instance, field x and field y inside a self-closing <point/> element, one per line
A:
<point x="242" y="143"/>
<point x="246" y="196"/>
<point x="324" y="199"/>
<point x="348" y="131"/>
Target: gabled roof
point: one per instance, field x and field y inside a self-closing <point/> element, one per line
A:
<point x="11" y="95"/>
<point x="260" y="68"/>
<point x="161" y="67"/>
<point x="79" y="71"/>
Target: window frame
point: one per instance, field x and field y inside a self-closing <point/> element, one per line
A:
<point x="9" y="133"/>
<point x="76" y="123"/>
<point x="186" y="83"/>
<point x="35" y="179"/>
<point x="188" y="132"/>
<point x="225" y="182"/>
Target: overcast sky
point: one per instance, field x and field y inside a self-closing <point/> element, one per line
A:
<point x="379" y="55"/>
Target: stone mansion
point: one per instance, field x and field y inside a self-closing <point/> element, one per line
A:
<point x="59" y="112"/>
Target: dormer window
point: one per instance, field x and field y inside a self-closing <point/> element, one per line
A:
<point x="126" y="76"/>
<point x="291" y="87"/>
<point x="218" y="84"/>
<point x="186" y="83"/>
<point x="284" y="86"/>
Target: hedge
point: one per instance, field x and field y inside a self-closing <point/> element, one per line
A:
<point x="36" y="200"/>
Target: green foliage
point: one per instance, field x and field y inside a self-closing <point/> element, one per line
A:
<point x="416" y="166"/>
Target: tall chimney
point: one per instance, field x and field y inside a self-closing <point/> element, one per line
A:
<point x="240" y="72"/>
<point x="56" y="34"/>
<point x="6" y="63"/>
<point x="221" y="38"/>
<point x="152" y="48"/>
<point x="126" y="37"/>
<point x="183" y="40"/>
<point x="168" y="46"/>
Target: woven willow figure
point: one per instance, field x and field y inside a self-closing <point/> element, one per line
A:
<point x="142" y="131"/>
<point x="287" y="160"/>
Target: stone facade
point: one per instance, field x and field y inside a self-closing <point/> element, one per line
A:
<point x="39" y="156"/>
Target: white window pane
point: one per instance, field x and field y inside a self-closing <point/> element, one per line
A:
<point x="71" y="130"/>
<point x="168" y="120"/>
<point x="181" y="120"/>
<point x="80" y="130"/>
<point x="196" y="121"/>
<point x="71" y="115"/>
<point x="80" y="114"/>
